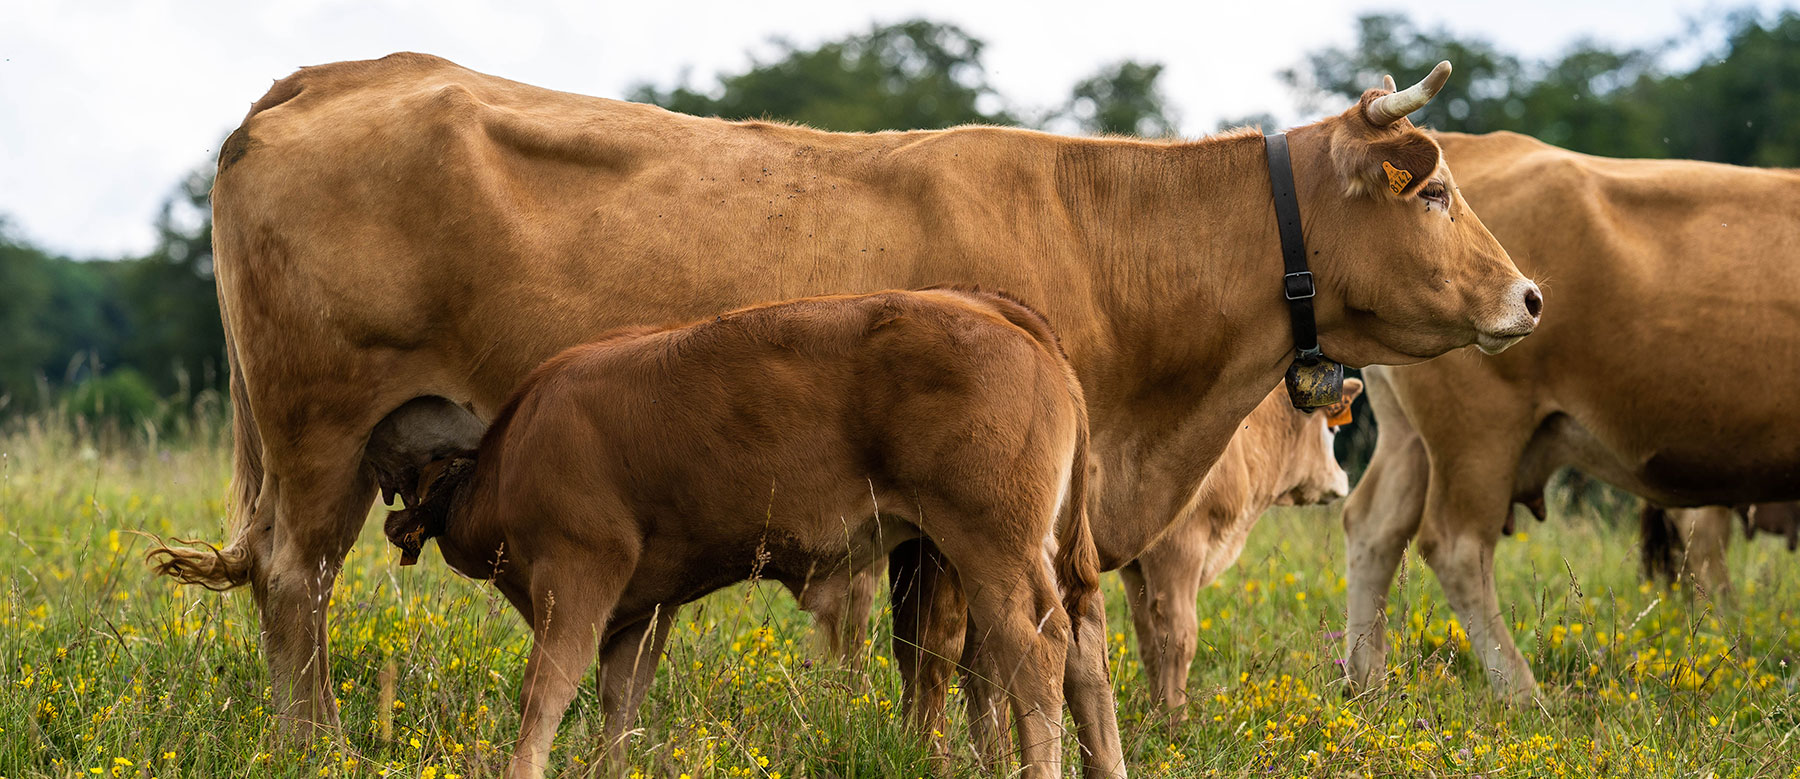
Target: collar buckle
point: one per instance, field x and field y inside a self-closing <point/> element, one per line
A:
<point x="1299" y="285"/>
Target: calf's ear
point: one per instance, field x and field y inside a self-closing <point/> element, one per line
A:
<point x="1352" y="388"/>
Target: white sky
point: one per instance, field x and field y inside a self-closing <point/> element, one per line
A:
<point x="105" y="104"/>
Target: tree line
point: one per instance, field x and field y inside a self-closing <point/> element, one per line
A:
<point x="121" y="338"/>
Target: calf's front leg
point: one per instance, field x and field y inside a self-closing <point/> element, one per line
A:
<point x="571" y="615"/>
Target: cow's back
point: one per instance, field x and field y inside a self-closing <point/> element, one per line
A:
<point x="463" y="227"/>
<point x="1672" y="358"/>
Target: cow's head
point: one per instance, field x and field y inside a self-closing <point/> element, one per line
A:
<point x="1310" y="474"/>
<point x="1405" y="271"/>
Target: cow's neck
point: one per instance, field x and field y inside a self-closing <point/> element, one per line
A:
<point x="1187" y="268"/>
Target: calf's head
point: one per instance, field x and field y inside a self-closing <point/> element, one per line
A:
<point x="1404" y="270"/>
<point x="1310" y="471"/>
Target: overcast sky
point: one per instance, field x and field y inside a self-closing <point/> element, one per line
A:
<point x="105" y="104"/>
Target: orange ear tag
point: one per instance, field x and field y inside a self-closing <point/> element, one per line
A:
<point x="1340" y="415"/>
<point x="1397" y="178"/>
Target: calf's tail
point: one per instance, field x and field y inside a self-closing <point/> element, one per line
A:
<point x="1077" y="562"/>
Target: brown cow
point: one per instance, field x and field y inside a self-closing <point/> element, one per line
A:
<point x="1280" y="456"/>
<point x="403" y="228"/>
<point x="1663" y="374"/>
<point x="793" y="441"/>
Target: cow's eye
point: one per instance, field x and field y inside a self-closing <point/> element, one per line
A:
<point x="1435" y="193"/>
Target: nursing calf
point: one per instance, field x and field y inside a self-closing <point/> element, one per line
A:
<point x="795" y="441"/>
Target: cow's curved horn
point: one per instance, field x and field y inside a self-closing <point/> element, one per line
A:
<point x="1388" y="109"/>
<point x="1387" y="83"/>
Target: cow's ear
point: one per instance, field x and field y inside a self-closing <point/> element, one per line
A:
<point x="1396" y="164"/>
<point x="1352" y="388"/>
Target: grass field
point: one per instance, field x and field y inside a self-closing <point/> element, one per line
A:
<point x="107" y="671"/>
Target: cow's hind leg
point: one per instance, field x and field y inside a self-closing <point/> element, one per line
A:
<point x="307" y="518"/>
<point x="1706" y="537"/>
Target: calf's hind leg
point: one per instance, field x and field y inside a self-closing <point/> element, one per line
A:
<point x="627" y="667"/>
<point x="1025" y="631"/>
<point x="1087" y="686"/>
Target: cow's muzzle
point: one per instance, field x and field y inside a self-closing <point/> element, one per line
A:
<point x="1524" y="306"/>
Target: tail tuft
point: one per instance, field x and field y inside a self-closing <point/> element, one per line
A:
<point x="213" y="568"/>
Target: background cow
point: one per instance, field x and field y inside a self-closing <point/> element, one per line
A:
<point x="1280" y="456"/>
<point x="403" y="228"/>
<point x="1663" y="373"/>
<point x="1689" y="544"/>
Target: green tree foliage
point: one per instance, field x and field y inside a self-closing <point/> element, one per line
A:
<point x="912" y="75"/>
<point x="175" y="336"/>
<point x="63" y="319"/>
<point x="71" y="321"/>
<point x="1122" y="99"/>
<point x="1741" y="105"/>
<point x="25" y="277"/>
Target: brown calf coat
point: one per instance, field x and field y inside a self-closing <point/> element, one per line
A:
<point x="792" y="441"/>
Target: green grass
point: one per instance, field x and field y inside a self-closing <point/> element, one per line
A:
<point x="105" y="669"/>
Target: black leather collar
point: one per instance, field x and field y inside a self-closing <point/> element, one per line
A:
<point x="1313" y="381"/>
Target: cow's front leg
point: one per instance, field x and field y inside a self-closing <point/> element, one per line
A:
<point x="1464" y="513"/>
<point x="930" y="617"/>
<point x="1381" y="517"/>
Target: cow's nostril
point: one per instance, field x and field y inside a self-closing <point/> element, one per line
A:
<point x="1534" y="302"/>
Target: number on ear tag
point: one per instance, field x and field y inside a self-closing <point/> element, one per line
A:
<point x="1397" y="178"/>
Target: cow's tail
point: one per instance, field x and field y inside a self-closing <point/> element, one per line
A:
<point x="210" y="566"/>
<point x="1659" y="545"/>
<point x="1077" y="562"/>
